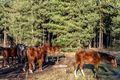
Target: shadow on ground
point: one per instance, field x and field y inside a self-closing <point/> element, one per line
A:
<point x="15" y="71"/>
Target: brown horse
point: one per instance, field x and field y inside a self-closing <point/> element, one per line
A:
<point x="94" y="57"/>
<point x="53" y="50"/>
<point x="38" y="53"/>
<point x="8" y="53"/>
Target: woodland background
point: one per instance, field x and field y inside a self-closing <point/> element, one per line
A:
<point x="69" y="23"/>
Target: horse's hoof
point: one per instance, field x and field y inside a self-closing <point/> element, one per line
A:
<point x="8" y="66"/>
<point x="23" y="69"/>
<point x="30" y="71"/>
<point x="40" y="70"/>
<point x="76" y="77"/>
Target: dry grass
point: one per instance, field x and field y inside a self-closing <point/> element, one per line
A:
<point x="66" y="73"/>
<point x="61" y="74"/>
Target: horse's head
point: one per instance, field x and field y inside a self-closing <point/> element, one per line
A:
<point x="46" y="47"/>
<point x="57" y="48"/>
<point x="109" y="57"/>
<point x="113" y="61"/>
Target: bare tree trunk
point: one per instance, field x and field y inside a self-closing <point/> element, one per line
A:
<point x="49" y="38"/>
<point x="43" y="41"/>
<point x="32" y="36"/>
<point x="110" y="38"/>
<point x="94" y="42"/>
<point x="90" y="44"/>
<point x="5" y="38"/>
<point x="101" y="32"/>
<point x="100" y="38"/>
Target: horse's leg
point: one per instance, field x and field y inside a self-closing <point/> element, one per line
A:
<point x="81" y="69"/>
<point x="57" y="58"/>
<point x="24" y="63"/>
<point x="24" y="66"/>
<point x="30" y="64"/>
<point x="12" y="60"/>
<point x="7" y="61"/>
<point x="52" y="59"/>
<point x="40" y="61"/>
<point x="96" y="71"/>
<point x="3" y="62"/>
<point x="46" y="58"/>
<point x="76" y="69"/>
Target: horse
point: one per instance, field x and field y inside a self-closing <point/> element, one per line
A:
<point x="21" y="55"/>
<point x="1" y="53"/>
<point x="36" y="53"/>
<point x="53" y="50"/>
<point x="8" y="53"/>
<point x="94" y="57"/>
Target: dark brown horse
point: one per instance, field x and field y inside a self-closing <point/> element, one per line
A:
<point x="94" y="57"/>
<point x="21" y="55"/>
<point x="8" y="53"/>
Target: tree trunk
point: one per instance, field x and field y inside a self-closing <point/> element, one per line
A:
<point x="94" y="42"/>
<point x="100" y="38"/>
<point x="90" y="44"/>
<point x="110" y="40"/>
<point x="100" y="31"/>
<point x="5" y="39"/>
<point x="43" y="36"/>
<point x="49" y="40"/>
<point x="32" y="36"/>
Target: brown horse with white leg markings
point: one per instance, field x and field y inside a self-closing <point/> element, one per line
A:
<point x="39" y="53"/>
<point x="94" y="57"/>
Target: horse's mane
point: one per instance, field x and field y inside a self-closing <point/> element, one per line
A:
<point x="106" y="55"/>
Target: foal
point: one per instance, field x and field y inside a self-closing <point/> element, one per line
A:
<point x="90" y="56"/>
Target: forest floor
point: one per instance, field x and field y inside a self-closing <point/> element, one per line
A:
<point x="63" y="70"/>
